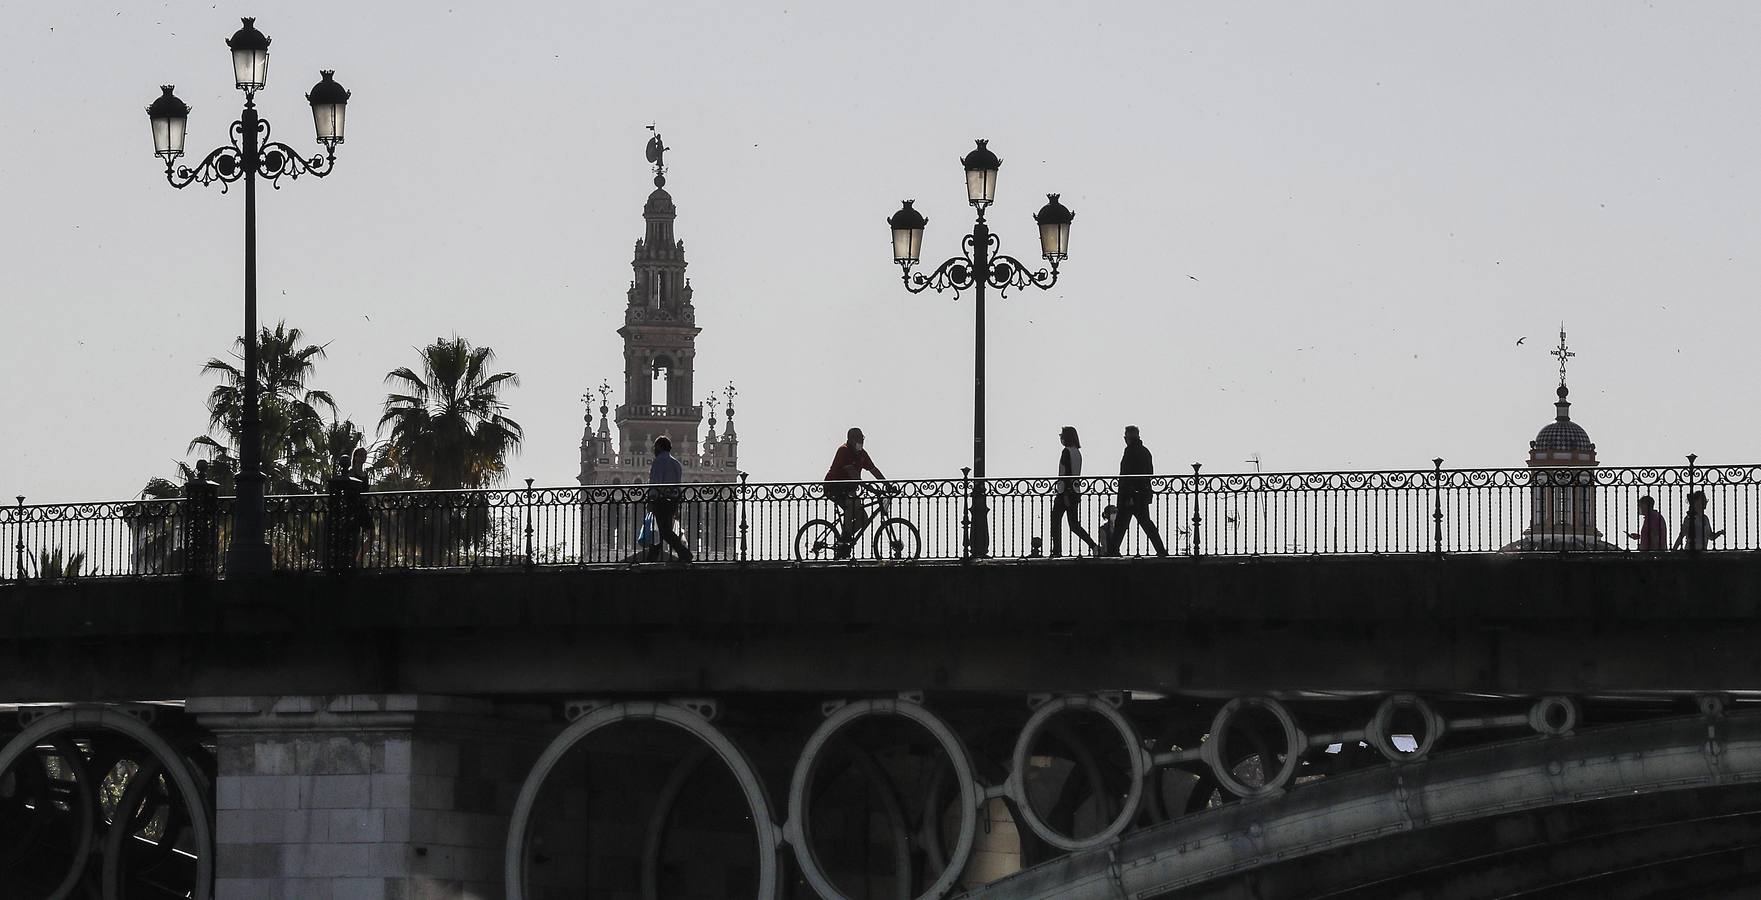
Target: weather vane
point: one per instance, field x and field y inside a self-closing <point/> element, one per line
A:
<point x="656" y="155"/>
<point x="1562" y="353"/>
<point x="604" y="395"/>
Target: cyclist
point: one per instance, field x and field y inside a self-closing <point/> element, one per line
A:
<point x="841" y="482"/>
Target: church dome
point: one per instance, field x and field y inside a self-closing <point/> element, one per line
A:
<point x="1564" y="436"/>
<point x="660" y="203"/>
<point x="1562" y="433"/>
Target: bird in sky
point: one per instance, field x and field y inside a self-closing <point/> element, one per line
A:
<point x="1519" y="341"/>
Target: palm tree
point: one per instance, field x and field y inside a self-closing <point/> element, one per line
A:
<point x="447" y="426"/>
<point x="296" y="452"/>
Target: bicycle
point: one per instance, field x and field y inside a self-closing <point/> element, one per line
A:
<point x="894" y="537"/>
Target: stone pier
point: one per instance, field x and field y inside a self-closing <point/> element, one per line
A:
<point x="366" y="796"/>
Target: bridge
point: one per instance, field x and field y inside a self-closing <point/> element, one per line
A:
<point x="482" y="699"/>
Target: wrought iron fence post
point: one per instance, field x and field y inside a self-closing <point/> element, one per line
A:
<point x="19" y="548"/>
<point x="1437" y="504"/>
<point x="966" y="516"/>
<point x="742" y="503"/>
<point x="341" y="527"/>
<point x="201" y="536"/>
<point x="1197" y="488"/>
<point x="1686" y="520"/>
<point x="529" y="560"/>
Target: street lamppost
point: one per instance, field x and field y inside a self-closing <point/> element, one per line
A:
<point x="980" y="263"/>
<point x="250" y="155"/>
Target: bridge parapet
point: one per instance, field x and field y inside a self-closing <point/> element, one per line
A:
<point x="1435" y="510"/>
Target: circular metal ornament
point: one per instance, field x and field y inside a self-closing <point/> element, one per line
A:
<point x="795" y="832"/>
<point x="1554" y="716"/>
<point x="758" y="804"/>
<point x="1017" y="785"/>
<point x="1379" y="735"/>
<point x="190" y="790"/>
<point x="1294" y="743"/>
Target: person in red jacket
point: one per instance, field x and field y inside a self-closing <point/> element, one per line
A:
<point x="841" y="481"/>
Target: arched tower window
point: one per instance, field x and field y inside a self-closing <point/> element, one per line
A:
<point x="660" y="387"/>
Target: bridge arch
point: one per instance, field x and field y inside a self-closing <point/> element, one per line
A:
<point x="60" y="729"/>
<point x="692" y="722"/>
<point x="967" y="791"/>
<point x="1528" y="774"/>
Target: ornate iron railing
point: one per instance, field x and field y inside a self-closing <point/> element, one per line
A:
<point x="1433" y="510"/>
<point x="657" y="411"/>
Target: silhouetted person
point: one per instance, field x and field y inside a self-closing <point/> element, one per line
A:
<point x="1068" y="496"/>
<point x="664" y="476"/>
<point x="1696" y="527"/>
<point x="1109" y="524"/>
<point x="1135" y="468"/>
<point x="1653" y="533"/>
<point x="363" y="516"/>
<point x="841" y="483"/>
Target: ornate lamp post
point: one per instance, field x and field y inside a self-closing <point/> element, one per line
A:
<point x="250" y="155"/>
<point x="980" y="263"/>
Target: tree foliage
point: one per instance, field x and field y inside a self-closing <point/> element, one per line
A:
<point x="302" y="433"/>
<point x="448" y="427"/>
<point x="296" y="446"/>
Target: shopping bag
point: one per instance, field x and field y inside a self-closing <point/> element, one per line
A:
<point x="647" y="536"/>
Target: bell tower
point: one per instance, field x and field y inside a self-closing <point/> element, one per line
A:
<point x="660" y="334"/>
<point x="659" y="396"/>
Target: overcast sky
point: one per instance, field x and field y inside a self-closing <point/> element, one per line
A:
<point x="1309" y="231"/>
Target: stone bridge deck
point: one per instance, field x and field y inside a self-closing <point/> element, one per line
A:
<point x="1494" y="623"/>
<point x="395" y="734"/>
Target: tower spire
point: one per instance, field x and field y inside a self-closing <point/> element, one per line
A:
<point x="730" y="393"/>
<point x="656" y="154"/>
<point x="1563" y="353"/>
<point x="604" y="407"/>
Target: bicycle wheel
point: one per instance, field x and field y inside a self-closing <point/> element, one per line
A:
<point x="897" y="539"/>
<point x="816" y="540"/>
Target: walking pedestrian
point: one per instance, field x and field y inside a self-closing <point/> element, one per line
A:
<point x="1069" y="495"/>
<point x="360" y="512"/>
<point x="1653" y="533"/>
<point x="1135" y="468"/>
<point x="1696" y="527"/>
<point x="664" y="476"/>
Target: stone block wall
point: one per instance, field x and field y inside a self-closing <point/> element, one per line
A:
<point x="366" y="797"/>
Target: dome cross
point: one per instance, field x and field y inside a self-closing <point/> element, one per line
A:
<point x="1562" y="353"/>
